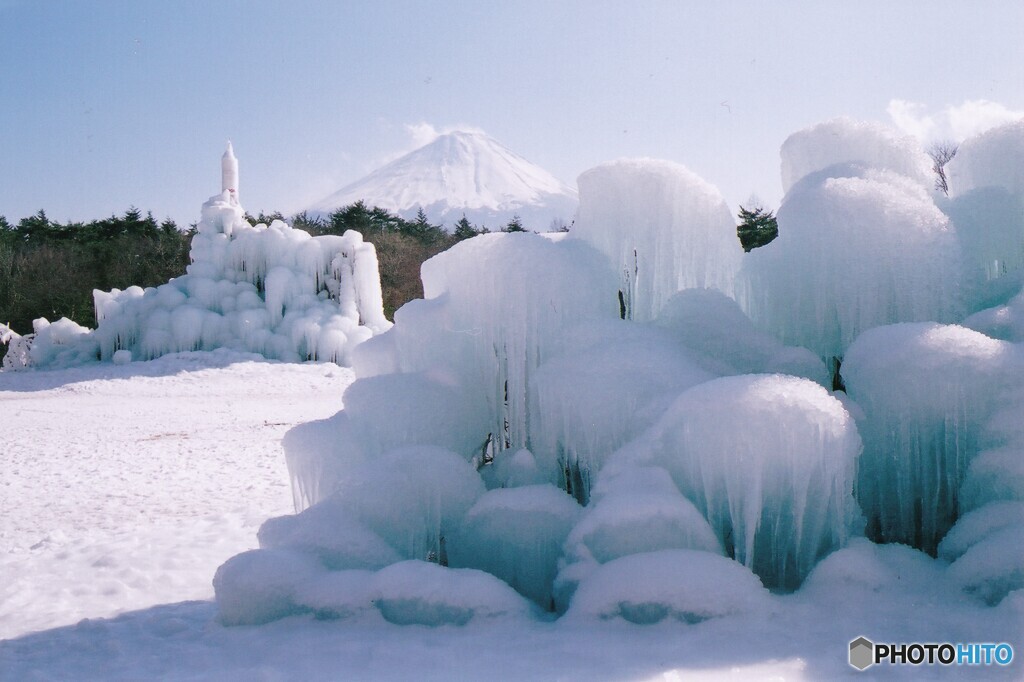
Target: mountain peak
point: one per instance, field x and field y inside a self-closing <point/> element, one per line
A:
<point x="463" y="171"/>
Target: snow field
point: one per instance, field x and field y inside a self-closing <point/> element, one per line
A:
<point x="125" y="487"/>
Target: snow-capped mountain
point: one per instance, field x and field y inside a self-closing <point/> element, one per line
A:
<point x="463" y="172"/>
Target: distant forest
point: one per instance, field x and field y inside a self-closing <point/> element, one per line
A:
<point x="49" y="269"/>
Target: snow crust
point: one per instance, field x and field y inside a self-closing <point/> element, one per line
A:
<point x="684" y="585"/>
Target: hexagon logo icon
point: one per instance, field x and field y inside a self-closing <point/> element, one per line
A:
<point x="862" y="653"/>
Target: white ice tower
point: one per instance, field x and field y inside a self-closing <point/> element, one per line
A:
<point x="268" y="289"/>
<point x="229" y="174"/>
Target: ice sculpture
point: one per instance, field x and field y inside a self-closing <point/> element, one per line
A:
<point x="662" y="227"/>
<point x="272" y="290"/>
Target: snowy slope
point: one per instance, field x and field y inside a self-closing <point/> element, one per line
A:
<point x="462" y="172"/>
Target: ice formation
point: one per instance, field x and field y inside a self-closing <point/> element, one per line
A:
<point x="600" y="392"/>
<point x="991" y="159"/>
<point x="593" y="420"/>
<point x="662" y="227"/>
<point x="713" y="325"/>
<point x="421" y="593"/>
<point x="987" y="206"/>
<point x="852" y="576"/>
<point x="272" y="290"/>
<point x="683" y="585"/>
<point x="428" y="492"/>
<point x="494" y="306"/>
<point x="517" y="535"/>
<point x="994" y="566"/>
<point x="769" y="460"/>
<point x="845" y="141"/>
<point x="856" y="249"/>
<point x="634" y="510"/>
<point x="263" y="585"/>
<point x="926" y="391"/>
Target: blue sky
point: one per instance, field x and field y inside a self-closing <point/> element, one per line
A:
<point x="107" y="104"/>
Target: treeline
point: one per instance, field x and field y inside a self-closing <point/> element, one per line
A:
<point x="49" y="269"/>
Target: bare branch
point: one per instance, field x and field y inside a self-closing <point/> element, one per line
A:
<point x="941" y="154"/>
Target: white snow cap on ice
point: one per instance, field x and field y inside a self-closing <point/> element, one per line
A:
<point x="678" y="584"/>
<point x="845" y="141"/>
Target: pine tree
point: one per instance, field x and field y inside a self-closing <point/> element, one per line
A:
<point x="464" y="229"/>
<point x="757" y="227"/>
<point x="515" y="225"/>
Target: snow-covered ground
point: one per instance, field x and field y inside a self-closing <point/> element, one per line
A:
<point x="123" y="488"/>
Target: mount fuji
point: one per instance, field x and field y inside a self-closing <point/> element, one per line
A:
<point x="462" y="172"/>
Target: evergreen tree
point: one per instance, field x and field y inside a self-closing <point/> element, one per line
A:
<point x="515" y="225"/>
<point x="464" y="229"/>
<point x="353" y="217"/>
<point x="757" y="227"/>
<point x="36" y="227"/>
<point x="421" y="230"/>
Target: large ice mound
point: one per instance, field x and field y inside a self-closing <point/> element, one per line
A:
<point x="662" y="227"/>
<point x="856" y="249"/>
<point x="769" y="460"/>
<point x="272" y="290"/>
<point x="595" y="422"/>
<point x="926" y="391"/>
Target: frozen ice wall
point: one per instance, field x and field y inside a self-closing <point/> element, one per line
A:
<point x="458" y="367"/>
<point x="986" y="204"/>
<point x="495" y="305"/>
<point x="769" y="460"/>
<point x="857" y="248"/>
<point x="926" y="391"/>
<point x="610" y="382"/>
<point x="662" y="227"/>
